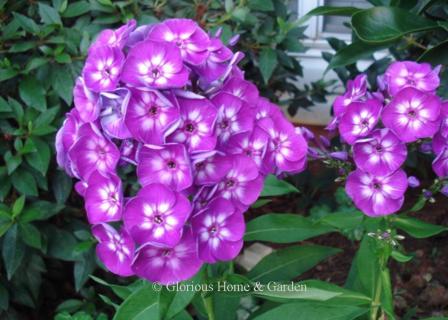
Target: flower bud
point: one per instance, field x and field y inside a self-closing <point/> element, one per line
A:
<point x="413" y="182"/>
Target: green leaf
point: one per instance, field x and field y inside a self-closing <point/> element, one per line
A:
<point x="22" y="46"/>
<point x="121" y="291"/>
<point x="62" y="186"/>
<point x="12" y="162"/>
<point x="276" y="187"/>
<point x="400" y="257"/>
<point x="8" y="73"/>
<point x="141" y="305"/>
<point x="61" y="244"/>
<point x="13" y="251"/>
<point x="70" y="305"/>
<point x="383" y="24"/>
<point x="328" y="11"/>
<point x="268" y="62"/>
<point x="18" y="206"/>
<point x="417" y="228"/>
<point x="30" y="235"/>
<point x="48" y="14"/>
<point x="312" y="310"/>
<point x="364" y="269"/>
<point x="63" y="83"/>
<point x="26" y="23"/>
<point x="33" y="93"/>
<point x="40" y="159"/>
<point x="436" y="55"/>
<point x="354" y="52"/>
<point x="261" y="5"/>
<point x="24" y="182"/>
<point x="343" y="220"/>
<point x="63" y="58"/>
<point x="4" y="106"/>
<point x="76" y="9"/>
<point x="4" y="298"/>
<point x="83" y="268"/>
<point x="180" y="301"/>
<point x="283" y="228"/>
<point x="39" y="210"/>
<point x="35" y="63"/>
<point x="285" y="264"/>
<point x="4" y="226"/>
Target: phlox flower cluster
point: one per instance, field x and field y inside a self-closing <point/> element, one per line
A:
<point x="166" y="103"/>
<point x="380" y="126"/>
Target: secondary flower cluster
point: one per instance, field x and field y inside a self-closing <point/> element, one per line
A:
<point x="168" y="100"/>
<point x="380" y="125"/>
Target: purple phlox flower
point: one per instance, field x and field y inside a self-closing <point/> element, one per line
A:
<point x="102" y="69"/>
<point x="81" y="187"/>
<point x="234" y="116"/>
<point x="356" y="90"/>
<point x="65" y="139"/>
<point x="234" y="40"/>
<point x="138" y="35"/>
<point x="219" y="230"/>
<point x="440" y="163"/>
<point x="242" y="184"/>
<point x="403" y="74"/>
<point x="184" y="34"/>
<point x="197" y="119"/>
<point x="128" y="150"/>
<point x="157" y="215"/>
<point x="168" y="265"/>
<point x="114" y="249"/>
<point x="439" y="142"/>
<point x="211" y="169"/>
<point x="168" y="164"/>
<point x="151" y="117"/>
<point x="413" y="114"/>
<point x="377" y="195"/>
<point x="156" y="65"/>
<point x="444" y="190"/>
<point x="86" y="101"/>
<point x="202" y="198"/>
<point x="427" y="194"/>
<point x="359" y="119"/>
<point x="114" y="38"/>
<point x="267" y="114"/>
<point x="287" y="149"/>
<point x="306" y="133"/>
<point x="216" y="64"/>
<point x="253" y="144"/>
<point x="339" y="155"/>
<point x="413" y="182"/>
<point x="103" y="198"/>
<point x="92" y="151"/>
<point x="114" y="107"/>
<point x="324" y="141"/>
<point x="242" y="89"/>
<point x="381" y="153"/>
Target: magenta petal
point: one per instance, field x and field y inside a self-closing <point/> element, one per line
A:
<point x="156" y="215"/>
<point x="169" y="165"/>
<point x="86" y="101"/>
<point x="168" y="265"/>
<point x="115" y="250"/>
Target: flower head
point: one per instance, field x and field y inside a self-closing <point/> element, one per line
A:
<point x="219" y="230"/>
<point x="168" y="164"/>
<point x="359" y="119"/>
<point x="115" y="249"/>
<point x="404" y="74"/>
<point x="157" y="215"/>
<point x="151" y="117"/>
<point x="197" y="120"/>
<point x="155" y="65"/>
<point x="413" y="114"/>
<point x="103" y="198"/>
<point x="102" y="69"/>
<point x="377" y="195"/>
<point x="168" y="265"/>
<point x="186" y="35"/>
<point x="381" y="153"/>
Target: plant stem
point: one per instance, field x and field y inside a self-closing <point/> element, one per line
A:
<point x="377" y="298"/>
<point x="208" y="301"/>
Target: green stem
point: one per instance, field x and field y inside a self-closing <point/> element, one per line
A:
<point x="208" y="301"/>
<point x="376" y="303"/>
